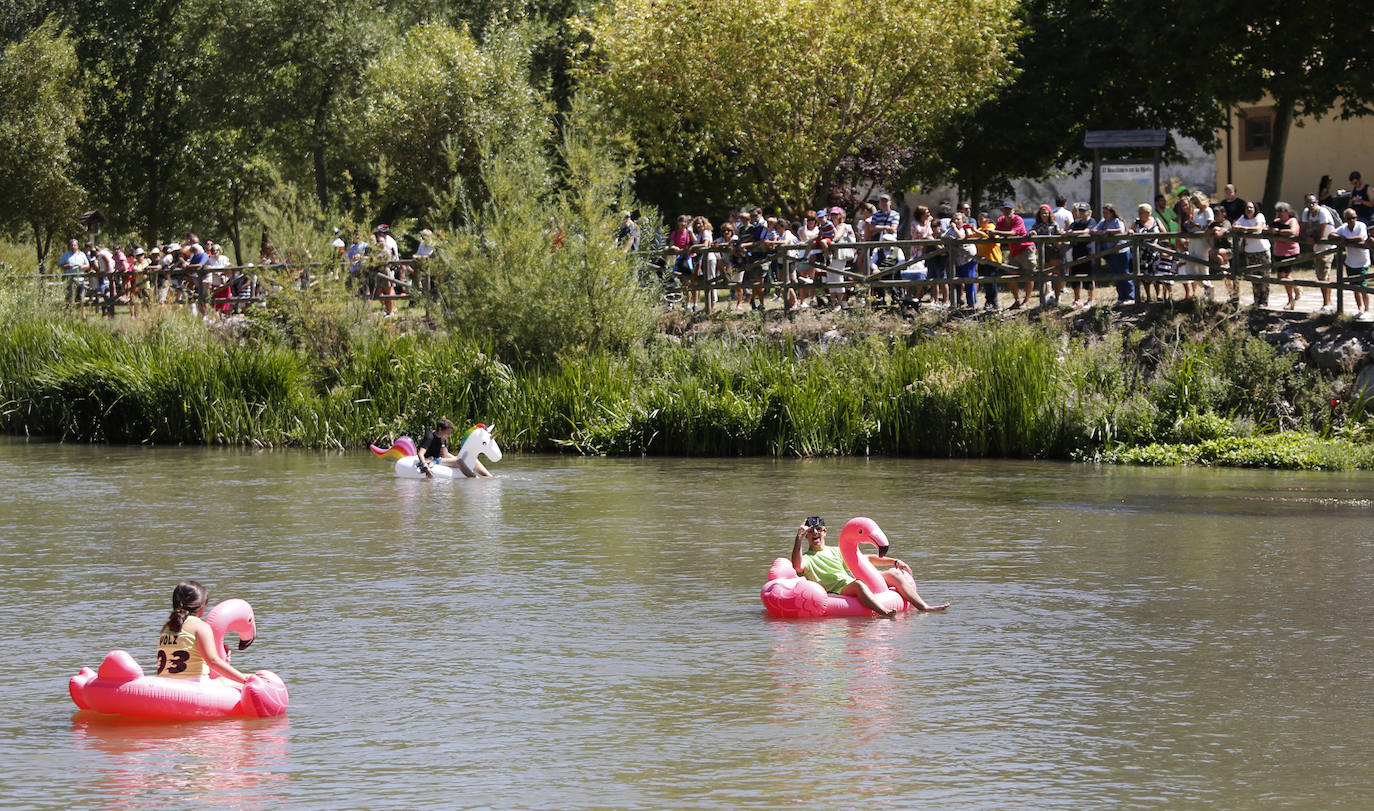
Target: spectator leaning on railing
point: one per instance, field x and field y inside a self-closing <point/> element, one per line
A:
<point x="1316" y="222"/>
<point x="1285" y="230"/>
<point x="1355" y="236"/>
<point x="1251" y="225"/>
<point x="75" y="265"/>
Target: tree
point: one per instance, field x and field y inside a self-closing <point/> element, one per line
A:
<point x="18" y="18"/>
<point x="297" y="83"/>
<point x="40" y="115"/>
<point x="1311" y="63"/>
<point x="1080" y="65"/>
<point x="783" y="92"/>
<point x="436" y="90"/>
<point x="535" y="270"/>
<point x="136" y="59"/>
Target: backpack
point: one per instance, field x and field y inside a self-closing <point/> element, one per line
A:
<point x="1335" y="218"/>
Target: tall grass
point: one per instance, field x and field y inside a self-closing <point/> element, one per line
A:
<point x="1004" y="390"/>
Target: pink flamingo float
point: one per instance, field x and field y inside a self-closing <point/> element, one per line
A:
<point x="787" y="594"/>
<point x="120" y="686"/>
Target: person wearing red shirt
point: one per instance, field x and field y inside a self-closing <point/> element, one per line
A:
<point x="1021" y="254"/>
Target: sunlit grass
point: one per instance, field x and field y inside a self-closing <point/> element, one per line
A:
<point x="989" y="390"/>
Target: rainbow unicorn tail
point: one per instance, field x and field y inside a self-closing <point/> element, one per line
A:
<point x="399" y="449"/>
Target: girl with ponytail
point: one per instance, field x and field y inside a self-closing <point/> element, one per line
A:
<point x="186" y="646"/>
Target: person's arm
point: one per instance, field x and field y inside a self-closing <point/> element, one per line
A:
<point x="420" y="461"/>
<point x="879" y="560"/>
<point x="797" y="550"/>
<point x="205" y="640"/>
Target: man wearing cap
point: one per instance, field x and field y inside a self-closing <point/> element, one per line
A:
<point x="1022" y="253"/>
<point x="628" y="233"/>
<point x="824" y="565"/>
<point x="1314" y="223"/>
<point x="882" y="227"/>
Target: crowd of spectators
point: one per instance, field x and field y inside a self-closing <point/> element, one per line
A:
<point x="200" y="276"/>
<point x="179" y="273"/>
<point x="815" y="255"/>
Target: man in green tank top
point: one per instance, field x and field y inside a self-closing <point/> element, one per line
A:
<point x="824" y="565"/>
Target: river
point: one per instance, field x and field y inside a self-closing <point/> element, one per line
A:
<point x="587" y="633"/>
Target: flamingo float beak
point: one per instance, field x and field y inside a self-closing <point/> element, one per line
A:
<point x="878" y="538"/>
<point x="244" y="643"/>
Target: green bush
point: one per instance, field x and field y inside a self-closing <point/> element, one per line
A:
<point x="536" y="270"/>
<point x="1195" y="428"/>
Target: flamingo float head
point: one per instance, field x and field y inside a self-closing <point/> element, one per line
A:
<point x="233" y="615"/>
<point x="866" y="530"/>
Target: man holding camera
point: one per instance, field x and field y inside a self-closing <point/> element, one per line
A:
<point x="824" y="565"/>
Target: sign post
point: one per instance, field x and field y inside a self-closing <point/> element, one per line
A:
<point x="1120" y="182"/>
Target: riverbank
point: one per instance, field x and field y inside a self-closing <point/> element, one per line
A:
<point x="1149" y="384"/>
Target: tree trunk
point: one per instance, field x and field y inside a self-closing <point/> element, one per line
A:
<point x="317" y="149"/>
<point x="1278" y="153"/>
<point x="42" y="240"/>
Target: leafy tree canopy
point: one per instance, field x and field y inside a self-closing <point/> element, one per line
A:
<point x="783" y="92"/>
<point x="40" y="114"/>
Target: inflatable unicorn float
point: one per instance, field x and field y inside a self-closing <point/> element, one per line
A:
<point x="787" y="594"/>
<point x="477" y="440"/>
<point x="120" y="686"/>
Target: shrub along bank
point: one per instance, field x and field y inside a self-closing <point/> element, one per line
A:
<point x="1161" y="394"/>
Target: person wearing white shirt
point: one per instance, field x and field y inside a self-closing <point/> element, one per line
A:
<point x="1062" y="218"/>
<point x="1256" y="249"/>
<point x="1356" y="237"/>
<point x="104" y="282"/>
<point x="75" y="265"/>
<point x="1317" y="223"/>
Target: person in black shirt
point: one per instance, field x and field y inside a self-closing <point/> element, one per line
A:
<point x="1235" y="206"/>
<point x="434" y="448"/>
<point x="1360" y="199"/>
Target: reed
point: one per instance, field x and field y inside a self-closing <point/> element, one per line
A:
<point x="1005" y="390"/>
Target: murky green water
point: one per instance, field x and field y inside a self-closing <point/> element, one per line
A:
<point x="588" y="633"/>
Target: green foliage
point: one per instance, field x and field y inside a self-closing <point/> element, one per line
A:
<point x="436" y="91"/>
<point x="322" y="377"/>
<point x="784" y="91"/>
<point x="1288" y="450"/>
<point x="536" y="269"/>
<point x="1194" y="428"/>
<point x="1140" y="85"/>
<point x="40" y="115"/>
<point x="139" y="113"/>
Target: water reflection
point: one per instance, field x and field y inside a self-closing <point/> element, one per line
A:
<point x="231" y="763"/>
